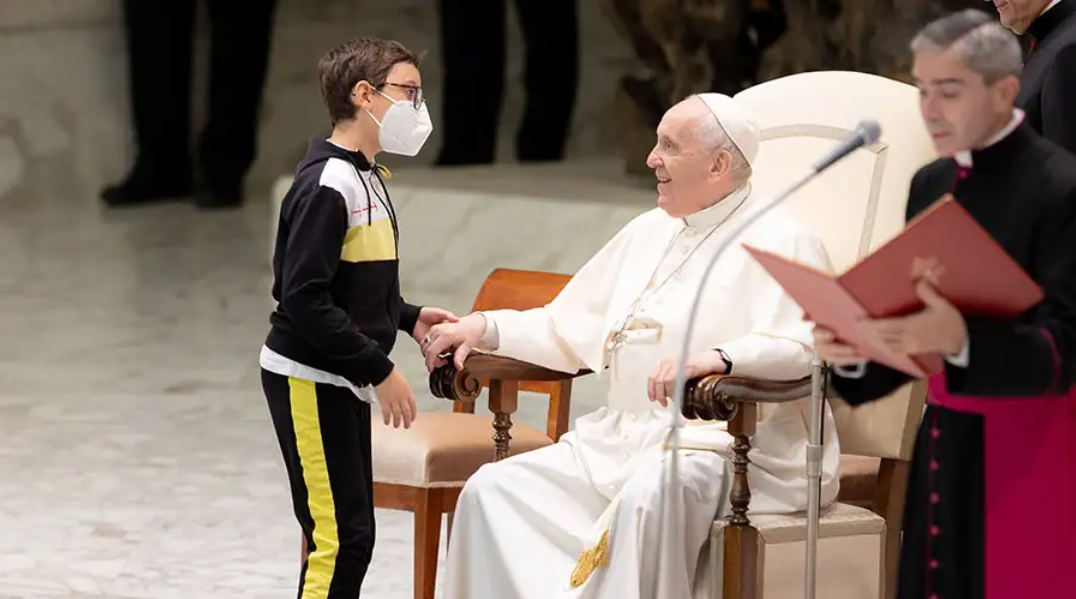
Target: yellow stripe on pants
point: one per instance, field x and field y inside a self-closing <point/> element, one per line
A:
<point x="322" y="562"/>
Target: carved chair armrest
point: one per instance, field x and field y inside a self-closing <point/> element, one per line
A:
<point x="717" y="397"/>
<point x="448" y="383"/>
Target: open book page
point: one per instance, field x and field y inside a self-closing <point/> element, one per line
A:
<point x="828" y="304"/>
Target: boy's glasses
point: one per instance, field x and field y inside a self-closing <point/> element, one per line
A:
<point x="412" y="92"/>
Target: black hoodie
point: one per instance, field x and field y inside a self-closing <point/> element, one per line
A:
<point x="336" y="269"/>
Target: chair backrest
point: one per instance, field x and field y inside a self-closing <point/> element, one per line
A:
<point x="854" y="207"/>
<point x="512" y="289"/>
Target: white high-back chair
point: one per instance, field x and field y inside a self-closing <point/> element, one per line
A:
<point x="854" y="207"/>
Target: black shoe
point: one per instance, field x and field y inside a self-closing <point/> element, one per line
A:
<point x="219" y="196"/>
<point x="142" y="187"/>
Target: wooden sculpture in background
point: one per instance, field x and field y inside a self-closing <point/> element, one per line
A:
<point x="692" y="46"/>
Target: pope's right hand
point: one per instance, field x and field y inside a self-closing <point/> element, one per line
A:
<point x="459" y="337"/>
<point x="397" y="400"/>
<point x="833" y="351"/>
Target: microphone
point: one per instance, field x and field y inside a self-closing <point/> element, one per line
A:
<point x="866" y="132"/>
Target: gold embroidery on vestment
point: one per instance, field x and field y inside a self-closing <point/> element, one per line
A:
<point x="591" y="559"/>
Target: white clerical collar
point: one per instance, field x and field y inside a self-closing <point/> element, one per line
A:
<point x="963" y="157"/>
<point x="1049" y="6"/>
<point x="716" y="214"/>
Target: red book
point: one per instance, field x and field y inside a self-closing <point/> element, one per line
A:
<point x="968" y="267"/>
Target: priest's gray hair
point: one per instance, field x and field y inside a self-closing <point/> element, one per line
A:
<point x="715" y="138"/>
<point x="982" y="44"/>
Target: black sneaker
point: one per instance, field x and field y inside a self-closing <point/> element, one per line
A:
<point x="142" y="188"/>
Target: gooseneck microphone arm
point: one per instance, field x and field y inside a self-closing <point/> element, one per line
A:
<point x="866" y="132"/>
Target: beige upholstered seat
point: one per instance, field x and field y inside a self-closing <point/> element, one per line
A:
<point x="423" y="469"/>
<point x="854" y="207"/>
<point x="442" y="449"/>
<point x="850" y="553"/>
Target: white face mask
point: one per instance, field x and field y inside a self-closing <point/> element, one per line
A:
<point x="404" y="129"/>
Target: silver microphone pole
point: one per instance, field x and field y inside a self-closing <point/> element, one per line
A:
<point x="866" y="133"/>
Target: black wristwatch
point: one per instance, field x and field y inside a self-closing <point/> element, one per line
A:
<point x="725" y="358"/>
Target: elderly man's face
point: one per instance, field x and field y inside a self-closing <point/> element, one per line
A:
<point x="691" y="173"/>
<point x="1017" y="15"/>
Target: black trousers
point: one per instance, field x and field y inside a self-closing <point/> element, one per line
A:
<point x="160" y="38"/>
<point x="473" y="46"/>
<point x="324" y="435"/>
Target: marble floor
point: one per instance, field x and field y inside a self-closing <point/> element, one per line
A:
<point x="136" y="454"/>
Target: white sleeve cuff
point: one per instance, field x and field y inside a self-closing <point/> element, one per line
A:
<point x="491" y="339"/>
<point x="963" y="358"/>
<point x="856" y="371"/>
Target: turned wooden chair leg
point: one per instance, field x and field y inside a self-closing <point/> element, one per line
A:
<point x="427" y="542"/>
<point x="740" y="580"/>
<point x="889" y="504"/>
<point x="503" y="402"/>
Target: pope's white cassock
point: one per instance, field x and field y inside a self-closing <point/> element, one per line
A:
<point x="522" y="524"/>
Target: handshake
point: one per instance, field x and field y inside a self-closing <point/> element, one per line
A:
<point x="436" y="332"/>
<point x="441" y="336"/>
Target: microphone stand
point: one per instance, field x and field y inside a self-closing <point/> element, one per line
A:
<point x="669" y="519"/>
<point x="866" y="133"/>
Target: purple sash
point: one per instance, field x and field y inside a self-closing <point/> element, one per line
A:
<point x="1030" y="484"/>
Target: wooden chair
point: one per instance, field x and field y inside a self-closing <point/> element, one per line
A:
<point x="853" y="208"/>
<point x="423" y="469"/>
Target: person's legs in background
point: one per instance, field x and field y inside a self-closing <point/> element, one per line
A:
<point x="551" y="77"/>
<point x="242" y="32"/>
<point x="159" y="57"/>
<point x="473" y="54"/>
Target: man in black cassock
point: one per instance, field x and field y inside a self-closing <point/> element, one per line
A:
<point x="991" y="505"/>
<point x="1048" y="85"/>
<point x="160" y="37"/>
<point x="474" y="46"/>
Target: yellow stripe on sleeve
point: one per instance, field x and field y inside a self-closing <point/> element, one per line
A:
<point x="322" y="562"/>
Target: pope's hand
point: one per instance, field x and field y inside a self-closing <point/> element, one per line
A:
<point x="459" y="337"/>
<point x="833" y="351"/>
<point x="662" y="382"/>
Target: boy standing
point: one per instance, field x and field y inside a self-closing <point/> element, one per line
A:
<point x="336" y="283"/>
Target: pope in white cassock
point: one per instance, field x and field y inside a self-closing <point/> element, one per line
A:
<point x="537" y="525"/>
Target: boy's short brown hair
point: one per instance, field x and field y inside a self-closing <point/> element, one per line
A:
<point x="363" y="59"/>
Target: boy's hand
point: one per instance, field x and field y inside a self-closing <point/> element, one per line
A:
<point x="427" y="318"/>
<point x="397" y="400"/>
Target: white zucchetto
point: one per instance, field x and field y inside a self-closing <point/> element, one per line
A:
<point x="736" y="121"/>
